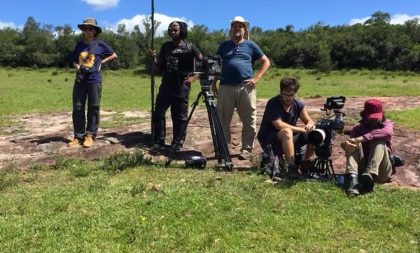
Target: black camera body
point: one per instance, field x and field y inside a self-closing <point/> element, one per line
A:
<point x="186" y="63"/>
<point x="325" y="128"/>
<point x="83" y="73"/>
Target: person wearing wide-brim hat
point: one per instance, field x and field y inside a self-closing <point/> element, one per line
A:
<point x="90" y="23"/>
<point x="238" y="82"/>
<point x="87" y="58"/>
<point x="368" y="150"/>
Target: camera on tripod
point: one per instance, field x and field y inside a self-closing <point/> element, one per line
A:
<point x="83" y="73"/>
<point x="322" y="135"/>
<point x="187" y="63"/>
<point x="325" y="128"/>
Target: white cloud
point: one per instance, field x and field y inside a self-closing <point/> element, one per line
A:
<point x="401" y="18"/>
<point x="102" y="4"/>
<point x="161" y="29"/>
<point x="7" y="24"/>
<point x="358" y="20"/>
<point x="395" y="19"/>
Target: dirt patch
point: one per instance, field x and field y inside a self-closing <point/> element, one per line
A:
<point x="40" y="138"/>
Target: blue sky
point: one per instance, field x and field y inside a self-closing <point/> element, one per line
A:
<point x="215" y="14"/>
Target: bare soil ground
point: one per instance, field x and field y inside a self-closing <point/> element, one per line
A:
<point x="40" y="138"/>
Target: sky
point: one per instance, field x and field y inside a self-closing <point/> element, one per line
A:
<point x="214" y="14"/>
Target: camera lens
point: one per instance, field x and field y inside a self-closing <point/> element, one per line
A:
<point x="316" y="137"/>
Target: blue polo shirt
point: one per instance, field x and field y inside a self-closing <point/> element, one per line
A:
<point x="90" y="55"/>
<point x="238" y="61"/>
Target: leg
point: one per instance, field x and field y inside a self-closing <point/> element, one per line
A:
<point x="179" y="114"/>
<point x="226" y="107"/>
<point x="247" y="111"/>
<point x="378" y="163"/>
<point x="79" y="101"/>
<point x="94" y="102"/>
<point x="285" y="137"/>
<point x="355" y="163"/>
<point x="158" y="115"/>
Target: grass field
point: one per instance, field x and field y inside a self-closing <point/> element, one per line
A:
<point x="50" y="90"/>
<point x="127" y="204"/>
<point x="77" y="206"/>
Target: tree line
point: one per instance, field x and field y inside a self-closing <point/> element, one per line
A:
<point x="375" y="44"/>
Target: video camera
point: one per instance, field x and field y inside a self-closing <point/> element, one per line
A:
<point x="187" y="63"/>
<point x="83" y="73"/>
<point x="325" y="128"/>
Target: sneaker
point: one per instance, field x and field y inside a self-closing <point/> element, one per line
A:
<point x="74" y="143"/>
<point x="88" y="141"/>
<point x="245" y="155"/>
<point x="366" y="180"/>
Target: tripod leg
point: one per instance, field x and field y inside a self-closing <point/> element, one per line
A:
<point x="221" y="148"/>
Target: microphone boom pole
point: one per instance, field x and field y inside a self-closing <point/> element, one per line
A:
<point x="152" y="79"/>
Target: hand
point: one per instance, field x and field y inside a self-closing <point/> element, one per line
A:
<point x="189" y="79"/>
<point x="151" y="53"/>
<point x="348" y="146"/>
<point x="214" y="89"/>
<point x="251" y="83"/>
<point x="356" y="140"/>
<point x="309" y="127"/>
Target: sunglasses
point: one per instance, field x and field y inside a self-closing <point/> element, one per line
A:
<point x="88" y="28"/>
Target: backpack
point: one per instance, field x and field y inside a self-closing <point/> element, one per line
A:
<point x="271" y="164"/>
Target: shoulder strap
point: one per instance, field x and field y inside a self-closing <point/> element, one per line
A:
<point x="92" y="48"/>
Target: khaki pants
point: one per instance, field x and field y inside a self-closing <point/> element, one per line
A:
<point x="245" y="101"/>
<point x="378" y="162"/>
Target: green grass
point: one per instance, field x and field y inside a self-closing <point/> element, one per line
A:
<point x="407" y="118"/>
<point x="76" y="206"/>
<point x="50" y="90"/>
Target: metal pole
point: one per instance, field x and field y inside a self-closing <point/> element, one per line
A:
<point x="152" y="79"/>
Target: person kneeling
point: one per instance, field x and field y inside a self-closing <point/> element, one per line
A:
<point x="368" y="150"/>
<point x="278" y="130"/>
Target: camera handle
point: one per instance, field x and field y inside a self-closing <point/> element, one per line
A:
<point x="221" y="148"/>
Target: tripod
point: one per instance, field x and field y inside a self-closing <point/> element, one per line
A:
<point x="221" y="149"/>
<point x="323" y="167"/>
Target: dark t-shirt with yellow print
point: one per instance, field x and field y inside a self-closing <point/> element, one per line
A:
<point x="90" y="55"/>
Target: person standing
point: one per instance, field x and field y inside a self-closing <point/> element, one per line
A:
<point x="238" y="82"/>
<point x="87" y="58"/>
<point x="175" y="87"/>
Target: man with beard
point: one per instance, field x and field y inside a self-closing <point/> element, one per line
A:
<point x="175" y="87"/>
<point x="369" y="150"/>
<point x="238" y="82"/>
<point x="278" y="128"/>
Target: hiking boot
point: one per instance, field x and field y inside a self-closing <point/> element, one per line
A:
<point x="245" y="155"/>
<point x="74" y="143"/>
<point x="292" y="172"/>
<point x="352" y="185"/>
<point x="156" y="148"/>
<point x="366" y="180"/>
<point x="88" y="141"/>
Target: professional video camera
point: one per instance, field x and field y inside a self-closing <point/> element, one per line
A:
<point x="208" y="70"/>
<point x="187" y="63"/>
<point x="323" y="134"/>
<point x="83" y="73"/>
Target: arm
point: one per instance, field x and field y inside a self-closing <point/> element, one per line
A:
<point x="109" y="58"/>
<point x="279" y="125"/>
<point x="385" y="133"/>
<point x="265" y="64"/>
<point x="306" y="119"/>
